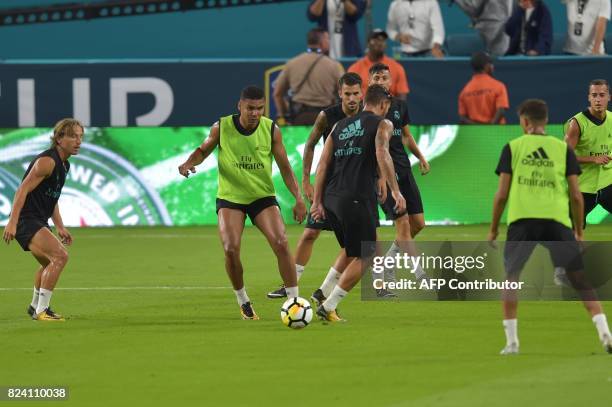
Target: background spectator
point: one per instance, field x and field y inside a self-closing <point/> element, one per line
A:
<point x="586" y="26"/>
<point x="530" y="29"/>
<point x="484" y="99"/>
<point x="377" y="43"/>
<point x="489" y="18"/>
<point x="310" y="80"/>
<point x="339" y="18"/>
<point x="417" y="25"/>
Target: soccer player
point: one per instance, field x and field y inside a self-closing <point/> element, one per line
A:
<point x="35" y="202"/>
<point x="350" y="96"/>
<point x="538" y="177"/>
<point x="589" y="134"/>
<point x="411" y="222"/>
<point x="345" y="187"/>
<point x="247" y="143"/>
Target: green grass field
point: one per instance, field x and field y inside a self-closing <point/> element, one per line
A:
<point x="153" y="321"/>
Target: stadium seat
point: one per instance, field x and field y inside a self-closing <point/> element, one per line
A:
<point x="463" y="44"/>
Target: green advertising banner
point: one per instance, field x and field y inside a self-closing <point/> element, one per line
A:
<point x="128" y="176"/>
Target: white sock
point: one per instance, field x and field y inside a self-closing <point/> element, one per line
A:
<point x="35" y="296"/>
<point x="601" y="323"/>
<point x="292" y="292"/>
<point x="330" y="281"/>
<point x="389" y="274"/>
<point x="419" y="273"/>
<point x="241" y="296"/>
<point x="299" y="269"/>
<point x="393" y="250"/>
<point x="43" y="300"/>
<point x="511" y="330"/>
<point x="335" y="297"/>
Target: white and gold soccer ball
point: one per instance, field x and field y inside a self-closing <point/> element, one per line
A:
<point x="296" y="313"/>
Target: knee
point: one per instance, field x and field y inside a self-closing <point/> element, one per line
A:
<point x="417" y="225"/>
<point x="60" y="257"/>
<point x="310" y="235"/>
<point x="280" y="245"/>
<point x="231" y="250"/>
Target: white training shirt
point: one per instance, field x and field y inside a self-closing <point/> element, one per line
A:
<point x="421" y="19"/>
<point x="335" y="15"/>
<point x="593" y="9"/>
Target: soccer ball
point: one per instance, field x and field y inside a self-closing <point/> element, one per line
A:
<point x="296" y="313"/>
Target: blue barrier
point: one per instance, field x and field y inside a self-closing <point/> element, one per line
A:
<point x="197" y="92"/>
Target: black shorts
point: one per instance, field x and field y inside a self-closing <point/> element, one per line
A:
<point x="317" y="225"/>
<point x="410" y="191"/>
<point x="26" y="229"/>
<point x="354" y="222"/>
<point x="525" y="234"/>
<point x="252" y="209"/>
<point x="603" y="197"/>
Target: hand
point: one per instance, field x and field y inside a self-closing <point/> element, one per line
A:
<point x="404" y="38"/>
<point x="424" y="166"/>
<point x="601" y="159"/>
<point x="532" y="53"/>
<point x="308" y="190"/>
<point x="281" y="121"/>
<point x="437" y="52"/>
<point x="317" y="212"/>
<point x="299" y="210"/>
<point x="9" y="232"/>
<point x="381" y="190"/>
<point x="185" y="169"/>
<point x="492" y="236"/>
<point x="400" y="202"/>
<point x="65" y="236"/>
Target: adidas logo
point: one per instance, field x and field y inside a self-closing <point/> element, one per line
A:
<point x="352" y="130"/>
<point x="538" y="158"/>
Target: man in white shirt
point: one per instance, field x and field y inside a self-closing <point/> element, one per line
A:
<point x="417" y="25"/>
<point x="586" y="26"/>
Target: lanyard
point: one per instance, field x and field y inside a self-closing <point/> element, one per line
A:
<point x="339" y="9"/>
<point x="580" y="5"/>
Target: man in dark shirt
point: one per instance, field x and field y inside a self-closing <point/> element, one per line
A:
<point x="35" y="202"/>
<point x="530" y="29"/>
<point x="410" y="223"/>
<point x="350" y="96"/>
<point x="346" y="184"/>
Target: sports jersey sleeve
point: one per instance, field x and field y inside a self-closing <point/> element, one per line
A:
<point x="283" y="78"/>
<point x="505" y="161"/>
<point x="604" y="10"/>
<point x="502" y="98"/>
<point x="571" y="163"/>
